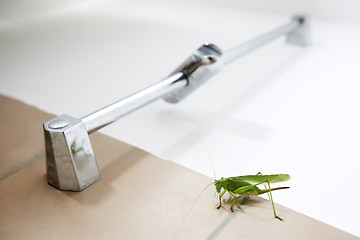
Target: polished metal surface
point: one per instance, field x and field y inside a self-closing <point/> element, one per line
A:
<point x="70" y="160"/>
<point x="297" y="32"/>
<point x="204" y="63"/>
<point x="113" y="112"/>
<point x="301" y="34"/>
<point x="58" y="123"/>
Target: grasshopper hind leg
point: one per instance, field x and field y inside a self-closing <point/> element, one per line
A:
<point x="272" y="202"/>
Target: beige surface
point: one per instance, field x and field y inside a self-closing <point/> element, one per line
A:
<point x="139" y="197"/>
<point x="21" y="134"/>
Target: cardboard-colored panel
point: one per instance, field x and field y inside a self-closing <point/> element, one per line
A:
<point x="21" y="134"/>
<point x="139" y="197"/>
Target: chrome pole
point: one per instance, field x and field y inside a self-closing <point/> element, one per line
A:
<point x="249" y="46"/>
<point x="179" y="84"/>
<point x="121" y="108"/>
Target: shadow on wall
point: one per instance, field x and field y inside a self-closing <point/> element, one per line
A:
<point x="224" y="120"/>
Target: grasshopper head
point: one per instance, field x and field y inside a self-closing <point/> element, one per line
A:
<point x="219" y="184"/>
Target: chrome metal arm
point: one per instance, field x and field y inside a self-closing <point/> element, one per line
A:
<point x="70" y="160"/>
<point x="113" y="112"/>
<point x="297" y="32"/>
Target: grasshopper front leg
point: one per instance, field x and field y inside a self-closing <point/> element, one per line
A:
<point x="220" y="196"/>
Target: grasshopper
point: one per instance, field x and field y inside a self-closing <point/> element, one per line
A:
<point x="245" y="186"/>
<point x="248" y="185"/>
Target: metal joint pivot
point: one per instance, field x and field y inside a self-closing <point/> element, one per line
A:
<point x="204" y="63"/>
<point x="70" y="160"/>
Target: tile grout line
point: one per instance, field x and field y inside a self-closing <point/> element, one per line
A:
<point x="227" y="220"/>
<point x="222" y="226"/>
<point x="22" y="167"/>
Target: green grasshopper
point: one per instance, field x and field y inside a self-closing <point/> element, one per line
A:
<point x="248" y="185"/>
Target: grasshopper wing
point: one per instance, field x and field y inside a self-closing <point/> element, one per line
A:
<point x="274" y="178"/>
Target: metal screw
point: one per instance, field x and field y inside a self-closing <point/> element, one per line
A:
<point x="57" y="124"/>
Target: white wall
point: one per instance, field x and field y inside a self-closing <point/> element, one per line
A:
<point x="335" y="10"/>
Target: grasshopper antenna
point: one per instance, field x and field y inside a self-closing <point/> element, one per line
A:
<point x="192" y="206"/>
<point x="207" y="153"/>
<point x="197" y="198"/>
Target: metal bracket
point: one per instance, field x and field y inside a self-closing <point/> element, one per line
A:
<point x="70" y="160"/>
<point x="301" y="35"/>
